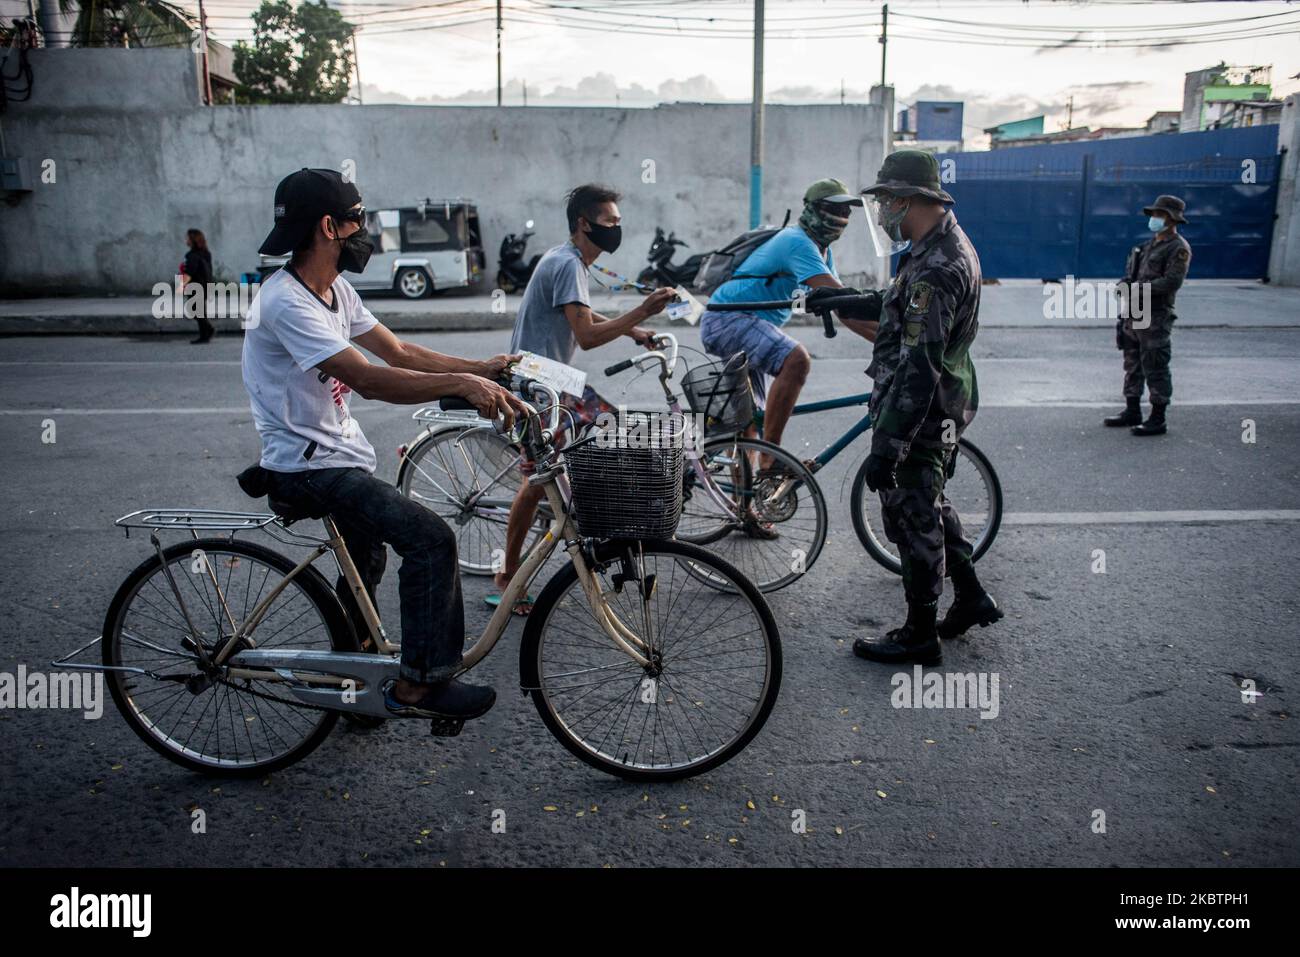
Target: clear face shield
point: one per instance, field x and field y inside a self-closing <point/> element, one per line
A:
<point x="885" y="214"/>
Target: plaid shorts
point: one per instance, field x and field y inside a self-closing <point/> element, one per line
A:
<point x="765" y="344"/>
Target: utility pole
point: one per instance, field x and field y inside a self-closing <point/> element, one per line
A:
<point x="1069" y="121"/>
<point x="756" y="125"/>
<point x="498" y="52"/>
<point x="884" y="39"/>
<point x="356" y="64"/>
<point x="203" y="37"/>
<point x="525" y="92"/>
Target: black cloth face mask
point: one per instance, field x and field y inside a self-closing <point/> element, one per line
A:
<point x="354" y="252"/>
<point x="605" y="238"/>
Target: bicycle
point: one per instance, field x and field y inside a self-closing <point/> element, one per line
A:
<point x="972" y="483"/>
<point x="228" y="657"/>
<point x="467" y="473"/>
<point x="769" y="520"/>
<point x="771" y="523"/>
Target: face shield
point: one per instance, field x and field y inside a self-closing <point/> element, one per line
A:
<point x="885" y="214"/>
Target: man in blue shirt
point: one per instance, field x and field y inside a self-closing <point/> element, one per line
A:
<point x="797" y="256"/>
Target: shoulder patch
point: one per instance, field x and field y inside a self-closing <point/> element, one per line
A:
<point x="1183" y="254"/>
<point x="918" y="298"/>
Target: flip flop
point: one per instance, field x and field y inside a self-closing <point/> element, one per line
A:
<point x="526" y="603"/>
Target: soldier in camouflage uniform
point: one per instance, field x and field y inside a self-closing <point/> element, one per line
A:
<point x="924" y="394"/>
<point x="1162" y="262"/>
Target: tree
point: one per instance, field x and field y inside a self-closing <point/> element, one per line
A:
<point x="129" y="23"/>
<point x="297" y="56"/>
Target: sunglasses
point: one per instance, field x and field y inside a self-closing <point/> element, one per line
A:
<point x="356" y="215"/>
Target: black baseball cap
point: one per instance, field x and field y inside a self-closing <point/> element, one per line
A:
<point x="301" y="199"/>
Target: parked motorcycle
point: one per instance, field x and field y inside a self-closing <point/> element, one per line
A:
<point x="662" y="271"/>
<point x="512" y="272"/>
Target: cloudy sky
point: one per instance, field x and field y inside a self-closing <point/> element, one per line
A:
<point x="1006" y="59"/>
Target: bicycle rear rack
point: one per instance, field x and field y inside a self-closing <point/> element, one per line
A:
<point x="197" y="519"/>
<point x="433" y="415"/>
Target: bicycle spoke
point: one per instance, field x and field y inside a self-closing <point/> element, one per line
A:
<point x="708" y="677"/>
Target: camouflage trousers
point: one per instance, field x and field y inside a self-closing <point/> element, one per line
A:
<point x="1146" y="360"/>
<point x="921" y="521"/>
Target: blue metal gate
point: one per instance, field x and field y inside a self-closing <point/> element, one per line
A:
<point x="1045" y="212"/>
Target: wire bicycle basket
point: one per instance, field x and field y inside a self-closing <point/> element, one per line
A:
<point x="721" y="392"/>
<point x="626" y="480"/>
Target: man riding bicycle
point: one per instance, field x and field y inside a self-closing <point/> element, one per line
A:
<point x="555" y="318"/>
<point x="300" y="367"/>
<point x="797" y="256"/>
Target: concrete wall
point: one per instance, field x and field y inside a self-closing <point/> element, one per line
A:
<point x="1284" y="256"/>
<point x="139" y="160"/>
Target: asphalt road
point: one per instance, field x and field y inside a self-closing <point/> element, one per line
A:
<point x="1119" y="692"/>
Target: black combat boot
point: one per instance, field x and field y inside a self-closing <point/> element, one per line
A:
<point x="1132" y="414"/>
<point x="1155" y="425"/>
<point x="916" y="641"/>
<point x="971" y="604"/>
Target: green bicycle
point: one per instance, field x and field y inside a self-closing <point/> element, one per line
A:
<point x="972" y="485"/>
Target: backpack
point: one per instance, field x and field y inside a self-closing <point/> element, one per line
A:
<point x="719" y="266"/>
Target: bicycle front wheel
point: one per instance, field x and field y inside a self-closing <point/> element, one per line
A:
<point x="713" y="671"/>
<point x="973" y="489"/>
<point x="208" y="720"/>
<point x="759" y="508"/>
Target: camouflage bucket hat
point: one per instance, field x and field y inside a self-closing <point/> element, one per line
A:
<point x="910" y="173"/>
<point x="1171" y="206"/>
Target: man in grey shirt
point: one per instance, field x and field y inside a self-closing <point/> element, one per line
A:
<point x="555" y="318"/>
<point x="541" y="326"/>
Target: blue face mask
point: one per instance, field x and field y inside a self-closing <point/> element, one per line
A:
<point x="1156" y="224"/>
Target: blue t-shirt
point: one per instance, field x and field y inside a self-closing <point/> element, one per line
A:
<point x="792" y="256"/>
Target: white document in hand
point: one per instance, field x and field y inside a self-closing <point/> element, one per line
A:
<point x="560" y="377"/>
<point x="688" y="310"/>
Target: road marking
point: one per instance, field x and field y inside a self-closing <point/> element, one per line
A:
<point x="124" y="362"/>
<point x="220" y="410"/>
<point x="1114" y="404"/>
<point x="1173" y="517"/>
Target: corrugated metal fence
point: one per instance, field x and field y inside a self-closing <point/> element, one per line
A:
<point x="1045" y="212"/>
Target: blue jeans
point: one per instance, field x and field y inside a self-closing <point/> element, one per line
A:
<point x="368" y="513"/>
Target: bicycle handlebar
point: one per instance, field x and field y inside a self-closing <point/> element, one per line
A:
<point x="518" y="383"/>
<point x="822" y="307"/>
<point x="669" y="362"/>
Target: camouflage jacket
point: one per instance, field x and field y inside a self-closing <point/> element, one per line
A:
<point x="1164" y="264"/>
<point x="924" y="390"/>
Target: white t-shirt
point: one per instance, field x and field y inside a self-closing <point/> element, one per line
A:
<point x="300" y="412"/>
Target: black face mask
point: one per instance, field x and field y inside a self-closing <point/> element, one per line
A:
<point x="354" y="252"/>
<point x="606" y="238"/>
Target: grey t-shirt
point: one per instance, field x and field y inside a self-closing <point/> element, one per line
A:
<point x="541" y="326"/>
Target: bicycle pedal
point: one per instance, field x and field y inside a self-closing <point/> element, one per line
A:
<point x="446" y="727"/>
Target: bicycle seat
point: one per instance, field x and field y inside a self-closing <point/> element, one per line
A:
<point x="289" y="511"/>
<point x="256" y="483"/>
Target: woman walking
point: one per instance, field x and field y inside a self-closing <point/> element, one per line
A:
<point x="197" y="268"/>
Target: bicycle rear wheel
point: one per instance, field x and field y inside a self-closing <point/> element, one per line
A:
<point x="773" y="526"/>
<point x="204" y="720"/>
<point x="714" y="673"/>
<point x="973" y="489"/>
<point x="468" y="476"/>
